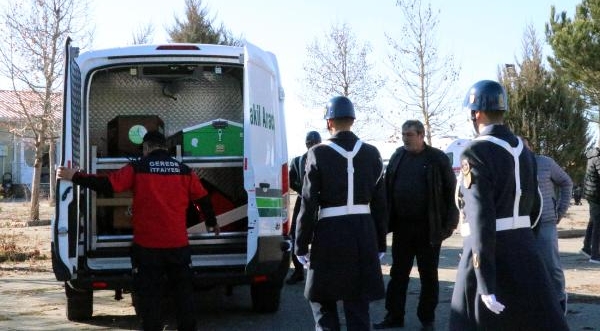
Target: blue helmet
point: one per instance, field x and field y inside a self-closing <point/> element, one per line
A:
<point x="339" y="107"/>
<point x="486" y="95"/>
<point x="312" y="138"/>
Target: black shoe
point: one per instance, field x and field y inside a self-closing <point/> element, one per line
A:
<point x="388" y="323"/>
<point x="295" y="278"/>
<point x="427" y="326"/>
<point x="586" y="252"/>
<point x="563" y="304"/>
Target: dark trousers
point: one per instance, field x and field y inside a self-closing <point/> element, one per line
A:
<point x="591" y="240"/>
<point x="326" y="315"/>
<point x="406" y="245"/>
<point x="156" y="271"/>
<point x="299" y="268"/>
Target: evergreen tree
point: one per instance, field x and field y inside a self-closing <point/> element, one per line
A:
<point x="576" y="46"/>
<point x="199" y="27"/>
<point x="546" y="110"/>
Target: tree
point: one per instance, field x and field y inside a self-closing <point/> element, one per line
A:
<point x="545" y="109"/>
<point x="143" y="34"/>
<point x="31" y="56"/>
<point x="336" y="65"/>
<point x="422" y="78"/>
<point x="576" y="46"/>
<point x="198" y="27"/>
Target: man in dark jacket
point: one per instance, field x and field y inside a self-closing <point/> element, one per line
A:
<point x="420" y="188"/>
<point x="162" y="190"/>
<point x="344" y="183"/>
<point x="296" y="180"/>
<point x="501" y="281"/>
<point x="591" y="242"/>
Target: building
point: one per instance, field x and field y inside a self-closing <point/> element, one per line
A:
<point x="17" y="149"/>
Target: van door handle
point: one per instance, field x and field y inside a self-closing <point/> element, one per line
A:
<point x="63" y="197"/>
<point x="264" y="186"/>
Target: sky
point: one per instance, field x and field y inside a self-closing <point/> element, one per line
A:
<point x="481" y="35"/>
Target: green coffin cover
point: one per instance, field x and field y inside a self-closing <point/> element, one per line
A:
<point x="215" y="138"/>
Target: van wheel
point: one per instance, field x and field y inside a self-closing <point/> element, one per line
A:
<point x="79" y="303"/>
<point x="265" y="297"/>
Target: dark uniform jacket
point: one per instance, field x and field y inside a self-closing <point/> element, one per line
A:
<point x="296" y="180"/>
<point x="591" y="189"/>
<point x="441" y="182"/>
<point x="344" y="263"/>
<point x="505" y="263"/>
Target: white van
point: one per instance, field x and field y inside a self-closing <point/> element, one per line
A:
<point x="454" y="150"/>
<point x="221" y="109"/>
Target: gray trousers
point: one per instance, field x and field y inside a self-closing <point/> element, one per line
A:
<point x="547" y="243"/>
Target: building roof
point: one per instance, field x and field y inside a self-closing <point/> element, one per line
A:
<point x="11" y="109"/>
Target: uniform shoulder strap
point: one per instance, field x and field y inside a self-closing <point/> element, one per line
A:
<point x="349" y="155"/>
<point x="515" y="152"/>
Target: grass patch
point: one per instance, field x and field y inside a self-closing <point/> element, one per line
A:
<point x="11" y="252"/>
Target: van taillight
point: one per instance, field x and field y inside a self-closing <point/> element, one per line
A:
<point x="260" y="279"/>
<point x="178" y="47"/>
<point x="285" y="179"/>
<point x="99" y="285"/>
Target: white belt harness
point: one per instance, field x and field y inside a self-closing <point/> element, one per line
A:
<point x="350" y="207"/>
<point x="516" y="221"/>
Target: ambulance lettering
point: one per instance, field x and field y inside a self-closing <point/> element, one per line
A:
<point x="260" y="116"/>
<point x="255" y="115"/>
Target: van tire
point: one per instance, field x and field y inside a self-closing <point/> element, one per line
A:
<point x="265" y="297"/>
<point x="79" y="303"/>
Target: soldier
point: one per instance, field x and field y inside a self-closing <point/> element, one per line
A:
<point x="344" y="183"/>
<point x="296" y="180"/>
<point x="501" y="281"/>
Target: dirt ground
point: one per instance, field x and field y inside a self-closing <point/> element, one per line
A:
<point x="32" y="283"/>
<point x="24" y="240"/>
<point x="34" y="241"/>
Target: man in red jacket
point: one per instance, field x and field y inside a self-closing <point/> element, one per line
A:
<point x="162" y="190"/>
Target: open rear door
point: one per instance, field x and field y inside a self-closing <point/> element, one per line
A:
<point x="265" y="154"/>
<point x="64" y="227"/>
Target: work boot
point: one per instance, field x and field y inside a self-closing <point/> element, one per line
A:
<point x="295" y="278"/>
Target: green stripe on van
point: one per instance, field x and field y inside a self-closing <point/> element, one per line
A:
<point x="263" y="202"/>
<point x="269" y="212"/>
<point x="269" y="207"/>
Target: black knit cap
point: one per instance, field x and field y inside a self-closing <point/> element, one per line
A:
<point x="155" y="138"/>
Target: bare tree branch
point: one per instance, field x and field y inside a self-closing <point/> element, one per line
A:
<point x="143" y="34"/>
<point x="338" y="64"/>
<point x="423" y="79"/>
<point x="31" y="57"/>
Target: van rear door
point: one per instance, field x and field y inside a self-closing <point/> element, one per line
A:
<point x="64" y="227"/>
<point x="265" y="155"/>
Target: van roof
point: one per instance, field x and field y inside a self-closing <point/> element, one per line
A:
<point x="168" y="49"/>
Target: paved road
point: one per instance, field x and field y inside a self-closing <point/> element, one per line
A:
<point x="35" y="301"/>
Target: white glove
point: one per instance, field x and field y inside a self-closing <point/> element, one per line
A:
<point x="490" y="302"/>
<point x="303" y="259"/>
<point x="381" y="255"/>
